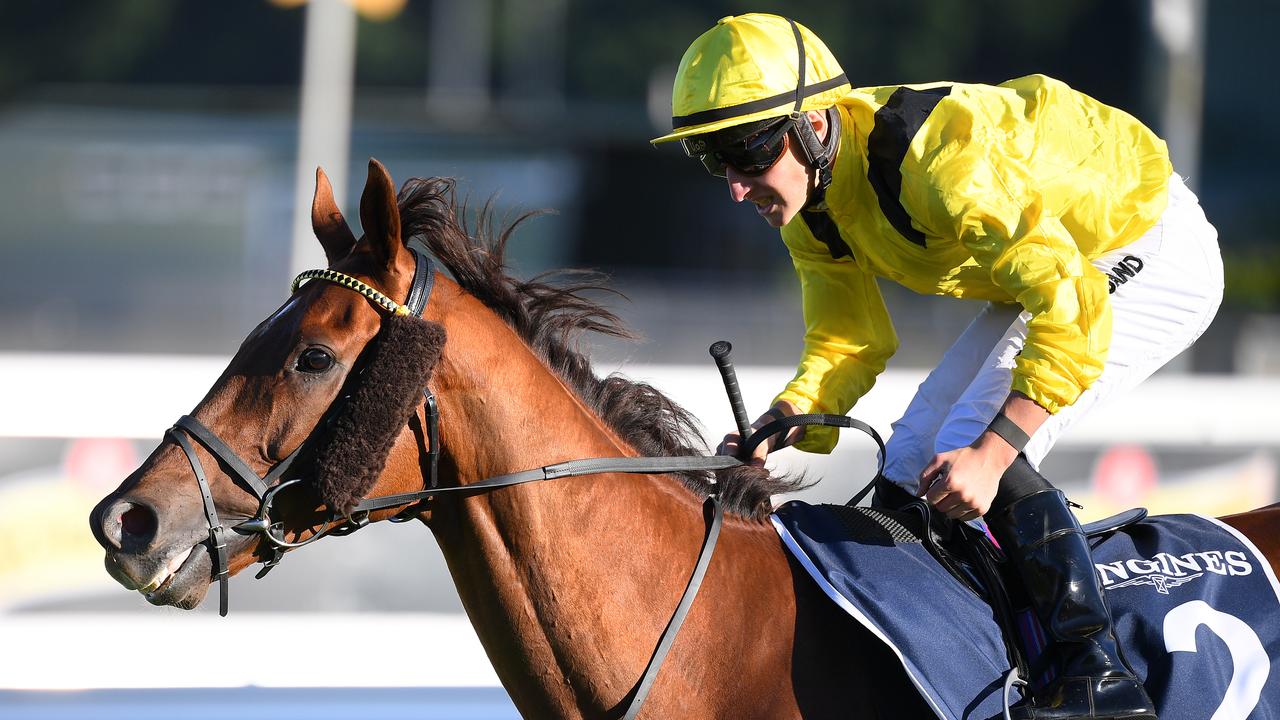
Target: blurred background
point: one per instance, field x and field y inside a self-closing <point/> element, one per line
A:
<point x="159" y="161"/>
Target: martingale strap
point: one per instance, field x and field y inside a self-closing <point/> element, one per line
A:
<point x="713" y="512"/>
<point x="712" y="509"/>
<point x="716" y="510"/>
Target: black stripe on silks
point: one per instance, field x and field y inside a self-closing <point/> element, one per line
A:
<point x="896" y="124"/>
<point x="706" y="116"/>
<point x="799" y="65"/>
<point x="824" y="228"/>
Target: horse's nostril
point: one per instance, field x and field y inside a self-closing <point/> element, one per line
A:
<point x="138" y="521"/>
<point x="129" y="526"/>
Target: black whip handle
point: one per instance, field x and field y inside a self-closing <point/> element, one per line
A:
<point x="720" y="350"/>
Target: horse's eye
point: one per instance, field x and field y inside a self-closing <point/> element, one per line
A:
<point x="314" y="360"/>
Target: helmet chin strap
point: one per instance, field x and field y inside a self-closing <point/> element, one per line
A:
<point x="817" y="153"/>
<point x="820" y="155"/>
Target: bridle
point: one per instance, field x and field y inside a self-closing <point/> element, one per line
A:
<point x="267" y="487"/>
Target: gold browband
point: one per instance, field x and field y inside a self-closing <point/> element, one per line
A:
<point x="350" y="283"/>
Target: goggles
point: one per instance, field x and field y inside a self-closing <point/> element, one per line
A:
<point x="751" y="155"/>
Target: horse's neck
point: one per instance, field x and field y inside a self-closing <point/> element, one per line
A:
<point x="501" y="408"/>
<point x="570" y="582"/>
<point x="567" y="576"/>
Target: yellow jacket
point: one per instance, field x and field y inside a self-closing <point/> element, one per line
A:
<point x="1001" y="193"/>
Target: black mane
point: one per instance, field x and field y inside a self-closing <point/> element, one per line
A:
<point x="551" y="314"/>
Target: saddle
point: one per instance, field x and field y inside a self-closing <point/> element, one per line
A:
<point x="1195" y="605"/>
<point x="965" y="552"/>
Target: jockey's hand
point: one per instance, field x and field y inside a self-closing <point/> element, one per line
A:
<point x="961" y="483"/>
<point x="731" y="442"/>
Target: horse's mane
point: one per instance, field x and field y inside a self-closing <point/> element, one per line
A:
<point x="551" y="314"/>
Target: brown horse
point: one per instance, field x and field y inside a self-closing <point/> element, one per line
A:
<point x="569" y="583"/>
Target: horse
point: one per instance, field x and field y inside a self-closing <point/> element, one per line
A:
<point x="568" y="583"/>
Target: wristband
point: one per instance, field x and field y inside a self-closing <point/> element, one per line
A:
<point x="1009" y="431"/>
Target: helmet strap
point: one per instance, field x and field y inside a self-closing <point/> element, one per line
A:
<point x="818" y="154"/>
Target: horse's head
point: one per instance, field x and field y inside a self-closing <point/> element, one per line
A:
<point x="324" y="405"/>
<point x="322" y="390"/>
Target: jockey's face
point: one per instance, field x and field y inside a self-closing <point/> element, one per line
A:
<point x="781" y="191"/>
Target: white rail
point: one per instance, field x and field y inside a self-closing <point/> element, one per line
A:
<point x="138" y="396"/>
<point x="64" y="651"/>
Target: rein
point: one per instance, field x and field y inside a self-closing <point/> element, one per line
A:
<point x="266" y="488"/>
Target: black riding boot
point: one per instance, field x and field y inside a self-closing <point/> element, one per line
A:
<point x="1050" y="553"/>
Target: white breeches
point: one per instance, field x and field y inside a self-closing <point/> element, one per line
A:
<point x="1166" y="288"/>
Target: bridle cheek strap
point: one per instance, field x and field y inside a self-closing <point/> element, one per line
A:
<point x="218" y="555"/>
<point x="217" y="532"/>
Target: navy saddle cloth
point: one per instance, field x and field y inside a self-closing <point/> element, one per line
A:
<point x="1196" y="608"/>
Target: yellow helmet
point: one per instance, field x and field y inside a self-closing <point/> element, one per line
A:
<point x="751" y="67"/>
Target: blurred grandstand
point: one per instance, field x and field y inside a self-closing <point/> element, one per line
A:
<point x="153" y="152"/>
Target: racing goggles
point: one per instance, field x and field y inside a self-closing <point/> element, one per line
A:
<point x="750" y="155"/>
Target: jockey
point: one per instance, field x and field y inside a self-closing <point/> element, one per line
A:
<point x="1095" y="262"/>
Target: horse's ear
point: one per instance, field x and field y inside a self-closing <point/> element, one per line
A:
<point x="380" y="216"/>
<point x="327" y="221"/>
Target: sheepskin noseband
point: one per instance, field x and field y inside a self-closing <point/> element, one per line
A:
<point x="354" y="449"/>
